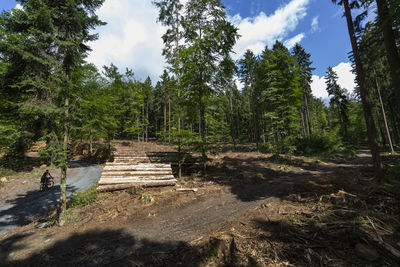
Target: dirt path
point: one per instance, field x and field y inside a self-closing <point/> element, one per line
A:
<point x="246" y="184"/>
<point x="25" y="203"/>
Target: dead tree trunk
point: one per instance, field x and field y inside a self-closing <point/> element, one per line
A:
<point x="371" y="129"/>
<point x="384" y="116"/>
<point x="62" y="208"/>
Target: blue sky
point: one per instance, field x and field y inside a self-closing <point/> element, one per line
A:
<point x="132" y="38"/>
<point x="328" y="45"/>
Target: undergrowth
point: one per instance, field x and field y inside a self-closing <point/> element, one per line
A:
<point x="84" y="198"/>
<point x="326" y="143"/>
<point x="5" y="172"/>
<point x="317" y="144"/>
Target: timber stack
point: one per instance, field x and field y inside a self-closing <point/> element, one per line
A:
<point x="130" y="169"/>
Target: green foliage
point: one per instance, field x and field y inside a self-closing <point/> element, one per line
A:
<point x="53" y="153"/>
<point x="338" y="102"/>
<point x="19" y="145"/>
<point x="285" y="146"/>
<point x="8" y="131"/>
<point x="84" y="198"/>
<point x="325" y="143"/>
<point x="265" y="147"/>
<point x="4" y="172"/>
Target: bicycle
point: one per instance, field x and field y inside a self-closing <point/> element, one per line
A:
<point x="47" y="184"/>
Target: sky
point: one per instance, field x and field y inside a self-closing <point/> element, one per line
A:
<point x="132" y="36"/>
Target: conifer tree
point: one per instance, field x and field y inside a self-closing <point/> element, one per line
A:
<point x="209" y="37"/>
<point x="338" y="100"/>
<point x="246" y="73"/>
<point x="305" y="74"/>
<point x="58" y="32"/>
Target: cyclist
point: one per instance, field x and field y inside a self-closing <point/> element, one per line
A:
<point x="45" y="178"/>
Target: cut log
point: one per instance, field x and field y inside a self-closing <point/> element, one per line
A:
<point x="119" y="163"/>
<point x="135" y="173"/>
<point x="130" y="185"/>
<point x="119" y="180"/>
<point x="186" y="189"/>
<point x="131" y="161"/>
<point x="149" y="167"/>
<point x="126" y="155"/>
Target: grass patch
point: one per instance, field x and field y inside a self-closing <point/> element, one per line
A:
<point x="6" y="172"/>
<point x="35" y="174"/>
<point x="134" y="190"/>
<point x="84" y="198"/>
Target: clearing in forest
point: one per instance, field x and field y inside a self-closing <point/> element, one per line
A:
<point x="250" y="208"/>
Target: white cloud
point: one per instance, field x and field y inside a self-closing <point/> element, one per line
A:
<point x="346" y="79"/>
<point x="18" y="6"/>
<point x="292" y="41"/>
<point x="318" y="87"/>
<point x="262" y="30"/>
<point x="315" y="25"/>
<point x="131" y="38"/>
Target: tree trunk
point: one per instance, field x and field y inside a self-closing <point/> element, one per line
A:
<point x="90" y="142"/>
<point x="137" y="126"/>
<point x="169" y="120"/>
<point x="255" y="125"/>
<point x="381" y="136"/>
<point x="384" y="116"/>
<point x="147" y="121"/>
<point x="303" y="128"/>
<point x="308" y="116"/>
<point x="385" y="23"/>
<point x="165" y="122"/>
<point x="371" y="129"/>
<point x="238" y="129"/>
<point x="179" y="96"/>
<point x="143" y="126"/>
<point x="203" y="136"/>
<point x="231" y="118"/>
<point x="63" y="183"/>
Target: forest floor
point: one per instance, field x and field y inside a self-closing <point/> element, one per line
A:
<point x="250" y="209"/>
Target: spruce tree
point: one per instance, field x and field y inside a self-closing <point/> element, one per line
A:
<point x="338" y="101"/>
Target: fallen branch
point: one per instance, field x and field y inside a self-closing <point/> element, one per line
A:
<point x="379" y="239"/>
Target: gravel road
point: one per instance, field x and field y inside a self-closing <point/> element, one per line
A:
<point x="26" y="203"/>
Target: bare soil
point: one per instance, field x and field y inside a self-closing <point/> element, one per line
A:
<point x="251" y="209"/>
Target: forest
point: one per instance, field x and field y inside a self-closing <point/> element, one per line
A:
<point x="55" y="94"/>
<point x="50" y="93"/>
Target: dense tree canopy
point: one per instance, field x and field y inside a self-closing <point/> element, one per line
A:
<point x="48" y="92"/>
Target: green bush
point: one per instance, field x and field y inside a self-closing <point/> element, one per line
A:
<point x="84" y="198"/>
<point x="265" y="147"/>
<point x="325" y="143"/>
<point x="285" y="146"/>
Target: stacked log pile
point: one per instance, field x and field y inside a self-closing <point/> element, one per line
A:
<point x="130" y="170"/>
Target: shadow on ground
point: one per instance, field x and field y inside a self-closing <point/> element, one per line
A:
<point x="111" y="248"/>
<point x="26" y="207"/>
<point x="337" y="238"/>
<point x="253" y="178"/>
